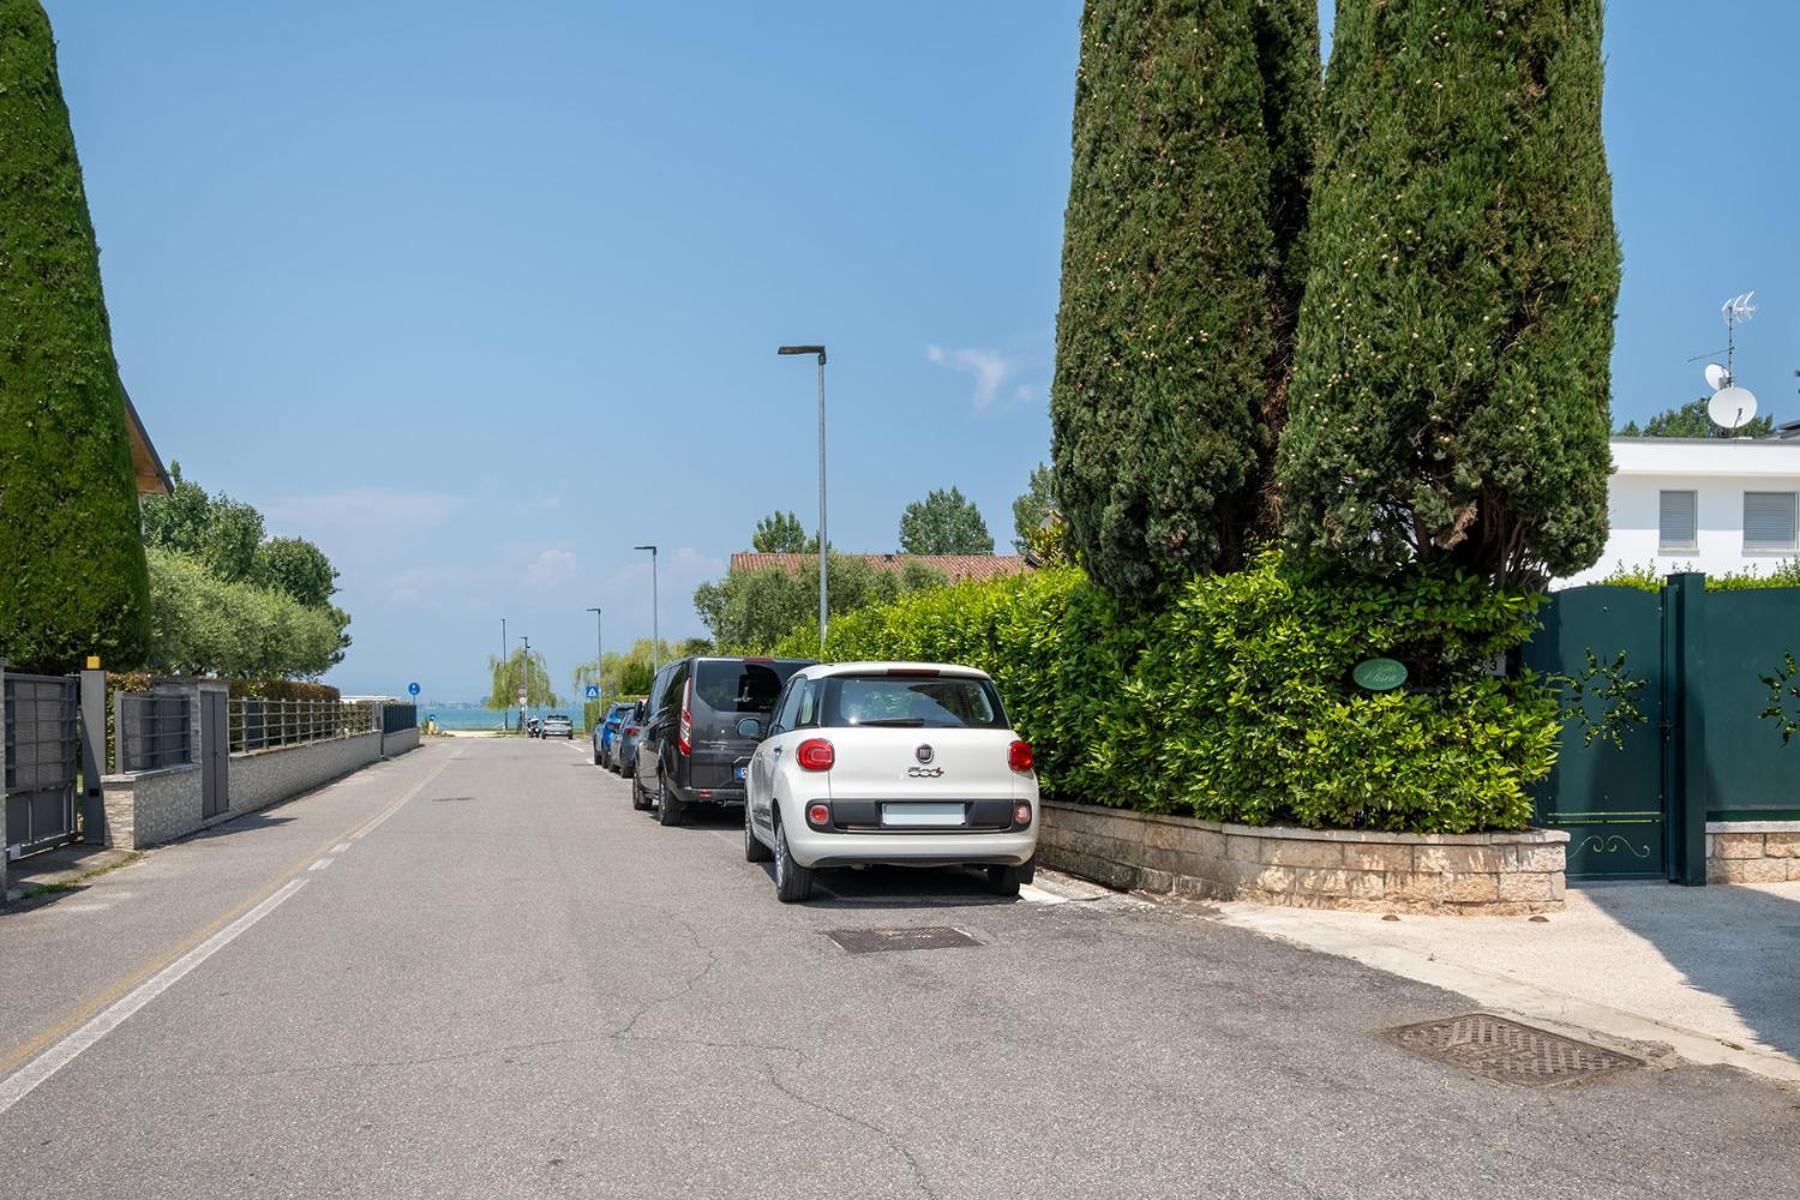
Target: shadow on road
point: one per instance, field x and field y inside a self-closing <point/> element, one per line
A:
<point x="1740" y="944"/>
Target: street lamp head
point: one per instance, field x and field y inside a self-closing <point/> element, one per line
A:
<point x="651" y="549"/>
<point x="818" y="350"/>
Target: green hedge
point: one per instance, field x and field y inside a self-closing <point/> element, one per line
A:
<point x="203" y="625"/>
<point x="1235" y="703"/>
<point x="1644" y="577"/>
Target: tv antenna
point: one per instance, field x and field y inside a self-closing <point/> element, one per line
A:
<point x="1731" y="407"/>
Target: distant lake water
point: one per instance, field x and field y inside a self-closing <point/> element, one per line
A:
<point x="461" y="717"/>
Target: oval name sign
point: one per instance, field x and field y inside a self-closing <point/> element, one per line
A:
<point x="1379" y="674"/>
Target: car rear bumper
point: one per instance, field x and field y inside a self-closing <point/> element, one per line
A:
<point x="713" y="795"/>
<point x="812" y="848"/>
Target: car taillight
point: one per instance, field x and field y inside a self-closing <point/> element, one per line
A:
<point x="815" y="754"/>
<point x="1018" y="757"/>
<point x="1022" y="814"/>
<point x="818" y="814"/>
<point x="631" y="731"/>
<point x="685" y="741"/>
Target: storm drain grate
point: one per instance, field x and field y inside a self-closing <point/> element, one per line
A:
<point x="1508" y="1051"/>
<point x="916" y="937"/>
<point x="450" y="799"/>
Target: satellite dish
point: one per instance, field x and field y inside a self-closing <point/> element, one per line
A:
<point x="1717" y="376"/>
<point x="1731" y="408"/>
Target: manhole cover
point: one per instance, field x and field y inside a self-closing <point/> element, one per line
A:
<point x="1506" y="1050"/>
<point x="917" y="937"/>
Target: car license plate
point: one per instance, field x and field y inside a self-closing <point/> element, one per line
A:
<point x="739" y="772"/>
<point x="906" y="815"/>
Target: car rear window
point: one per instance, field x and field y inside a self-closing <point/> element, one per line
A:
<point x="940" y="702"/>
<point x="741" y="687"/>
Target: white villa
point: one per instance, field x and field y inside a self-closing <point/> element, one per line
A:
<point x="1701" y="504"/>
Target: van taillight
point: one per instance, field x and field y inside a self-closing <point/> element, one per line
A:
<point x="815" y="754"/>
<point x="685" y="740"/>
<point x="1018" y="757"/>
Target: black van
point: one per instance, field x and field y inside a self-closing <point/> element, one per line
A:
<point x="690" y="751"/>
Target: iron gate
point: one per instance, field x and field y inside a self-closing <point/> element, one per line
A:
<point x="1607" y="790"/>
<point x="43" y="757"/>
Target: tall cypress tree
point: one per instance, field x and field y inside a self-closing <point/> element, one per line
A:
<point x="1450" y="393"/>
<point x="74" y="580"/>
<point x="1192" y="134"/>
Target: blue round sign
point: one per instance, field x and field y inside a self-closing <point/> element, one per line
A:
<point x="412" y="689"/>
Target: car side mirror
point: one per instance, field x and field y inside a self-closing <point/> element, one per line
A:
<point x="750" y="727"/>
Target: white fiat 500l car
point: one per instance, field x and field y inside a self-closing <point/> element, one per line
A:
<point x="908" y="763"/>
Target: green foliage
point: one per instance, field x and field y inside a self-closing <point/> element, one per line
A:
<point x="1452" y="363"/>
<point x="1691" y="421"/>
<point x="298" y="568"/>
<point x="944" y="523"/>
<point x="1187" y="202"/>
<point x="1235" y="702"/>
<point x="203" y="625"/>
<point x="781" y="533"/>
<point x="1781" y="686"/>
<point x="76" y="580"/>
<point x="506" y="677"/>
<point x="1644" y="577"/>
<point x="1613" y="689"/>
<point x="1032" y="508"/>
<point x="628" y="673"/>
<point x="749" y="611"/>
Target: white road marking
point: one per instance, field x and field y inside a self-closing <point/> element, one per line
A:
<point x="21" y="1083"/>
<point x="401" y="803"/>
<point x="320" y="864"/>
<point x="340" y="847"/>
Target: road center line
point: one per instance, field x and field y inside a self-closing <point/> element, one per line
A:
<point x="397" y="805"/>
<point x="320" y="865"/>
<point x="22" y="1082"/>
<point x="340" y="847"/>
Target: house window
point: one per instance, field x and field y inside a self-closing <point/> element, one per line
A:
<point x="1769" y="523"/>
<point x="1678" y="523"/>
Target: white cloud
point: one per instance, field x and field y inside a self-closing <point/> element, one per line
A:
<point x="990" y="369"/>
<point x="361" y="524"/>
<point x="553" y="568"/>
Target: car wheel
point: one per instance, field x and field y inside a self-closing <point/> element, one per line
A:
<point x="754" y="850"/>
<point x="640" y="799"/>
<point x="668" y="808"/>
<point x="793" y="882"/>
<point x="1005" y="881"/>
<point x="597" y="761"/>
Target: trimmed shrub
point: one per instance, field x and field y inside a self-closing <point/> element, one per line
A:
<point x="1236" y="703"/>
<point x="1187" y="200"/>
<point x="204" y="625"/>
<point x="1644" y="577"/>
<point x="74" y="561"/>
<point x="1451" y="375"/>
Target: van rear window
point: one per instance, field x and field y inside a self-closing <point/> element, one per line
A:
<point x="741" y="687"/>
<point x="944" y="702"/>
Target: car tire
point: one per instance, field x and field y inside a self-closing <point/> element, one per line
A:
<point x="1005" y="881"/>
<point x="793" y="882"/>
<point x="668" y="807"/>
<point x="754" y="850"/>
<point x="640" y="799"/>
<point x="597" y="759"/>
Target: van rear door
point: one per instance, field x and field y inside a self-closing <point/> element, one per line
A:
<point x="726" y="690"/>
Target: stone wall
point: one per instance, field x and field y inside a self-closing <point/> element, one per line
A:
<point x="261" y="777"/>
<point x="1752" y="851"/>
<point x="148" y="807"/>
<point x="399" y="742"/>
<point x="1487" y="873"/>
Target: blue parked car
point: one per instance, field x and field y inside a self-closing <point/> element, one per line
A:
<point x="623" y="752"/>
<point x="607" y="729"/>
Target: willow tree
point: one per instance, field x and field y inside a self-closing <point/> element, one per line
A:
<point x="1180" y="278"/>
<point x="75" y="577"/>
<point x="1450" y="391"/>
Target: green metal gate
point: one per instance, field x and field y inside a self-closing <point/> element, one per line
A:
<point x="1607" y="788"/>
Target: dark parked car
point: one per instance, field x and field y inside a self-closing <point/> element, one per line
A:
<point x="690" y="751"/>
<point x="625" y="742"/>
<point x="607" y="730"/>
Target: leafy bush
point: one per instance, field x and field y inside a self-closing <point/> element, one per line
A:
<point x="1235" y="703"/>
<point x="1644" y="577"/>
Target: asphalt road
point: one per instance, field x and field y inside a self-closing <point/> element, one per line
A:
<point x="511" y="984"/>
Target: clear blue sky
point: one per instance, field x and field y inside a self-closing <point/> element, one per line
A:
<point x="451" y="287"/>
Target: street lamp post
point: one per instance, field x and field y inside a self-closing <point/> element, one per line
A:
<point x="501" y="672"/>
<point x="655" y="633"/>
<point x="823" y="604"/>
<point x="599" y="644"/>
<point x="524" y="680"/>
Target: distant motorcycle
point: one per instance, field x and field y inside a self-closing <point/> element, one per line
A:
<point x="531" y="728"/>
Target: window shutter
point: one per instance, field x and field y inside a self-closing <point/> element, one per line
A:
<point x="1769" y="521"/>
<point x="1678" y="522"/>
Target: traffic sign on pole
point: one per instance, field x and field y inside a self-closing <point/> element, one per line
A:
<point x="593" y="691"/>
<point x="412" y="689"/>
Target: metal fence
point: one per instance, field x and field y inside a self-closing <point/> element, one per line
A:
<point x="397" y="717"/>
<point x="257" y="724"/>
<point x="152" y="730"/>
<point x="43" y="759"/>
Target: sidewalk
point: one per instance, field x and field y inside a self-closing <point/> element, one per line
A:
<point x="1713" y="973"/>
<point x="62" y="868"/>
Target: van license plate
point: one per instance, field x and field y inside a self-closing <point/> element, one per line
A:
<point x="922" y="814"/>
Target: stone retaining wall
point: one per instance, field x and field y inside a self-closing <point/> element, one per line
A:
<point x="1752" y="851"/>
<point x="399" y="742"/>
<point x="1486" y="873"/>
<point x="148" y="807"/>
<point x="261" y="777"/>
